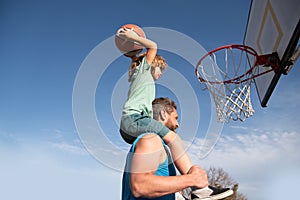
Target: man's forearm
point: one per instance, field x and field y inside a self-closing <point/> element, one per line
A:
<point x="151" y="186"/>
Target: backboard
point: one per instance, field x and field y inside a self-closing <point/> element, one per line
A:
<point x="273" y="26"/>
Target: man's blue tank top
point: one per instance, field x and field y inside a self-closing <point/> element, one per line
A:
<point x="164" y="169"/>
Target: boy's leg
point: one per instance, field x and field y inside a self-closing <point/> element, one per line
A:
<point x="127" y="137"/>
<point x="129" y="127"/>
<point x="181" y="159"/>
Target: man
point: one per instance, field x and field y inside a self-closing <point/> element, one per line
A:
<point x="150" y="172"/>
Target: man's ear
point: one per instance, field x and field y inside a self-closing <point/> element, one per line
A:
<point x="162" y="115"/>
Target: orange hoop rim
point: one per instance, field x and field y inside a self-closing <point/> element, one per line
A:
<point x="271" y="60"/>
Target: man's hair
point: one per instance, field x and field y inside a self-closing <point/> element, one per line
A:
<point x="162" y="104"/>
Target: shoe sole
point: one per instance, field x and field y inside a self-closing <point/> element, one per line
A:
<point x="218" y="196"/>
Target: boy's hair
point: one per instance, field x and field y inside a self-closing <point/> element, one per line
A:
<point x="162" y="104"/>
<point x="158" y="61"/>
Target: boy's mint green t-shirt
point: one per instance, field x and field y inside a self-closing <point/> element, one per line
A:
<point x="141" y="92"/>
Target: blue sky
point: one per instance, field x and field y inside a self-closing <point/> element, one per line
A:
<point x="44" y="44"/>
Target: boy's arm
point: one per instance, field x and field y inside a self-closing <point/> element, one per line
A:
<point x="149" y="44"/>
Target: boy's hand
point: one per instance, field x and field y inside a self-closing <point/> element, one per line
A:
<point x="126" y="33"/>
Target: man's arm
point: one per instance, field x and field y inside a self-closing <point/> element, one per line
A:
<point x="149" y="153"/>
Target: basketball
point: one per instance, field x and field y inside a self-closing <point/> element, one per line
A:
<point x="129" y="48"/>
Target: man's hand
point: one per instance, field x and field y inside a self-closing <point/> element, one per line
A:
<point x="199" y="175"/>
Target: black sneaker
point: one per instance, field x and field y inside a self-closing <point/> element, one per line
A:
<point x="211" y="193"/>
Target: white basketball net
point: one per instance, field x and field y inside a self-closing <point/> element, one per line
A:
<point x="224" y="74"/>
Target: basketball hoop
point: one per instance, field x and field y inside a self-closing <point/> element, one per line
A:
<point x="228" y="77"/>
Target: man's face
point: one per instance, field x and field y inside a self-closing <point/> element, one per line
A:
<point x="171" y="120"/>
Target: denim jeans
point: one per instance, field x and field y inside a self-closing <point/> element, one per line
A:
<point x="136" y="124"/>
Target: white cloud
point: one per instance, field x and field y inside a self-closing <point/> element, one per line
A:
<point x="70" y="148"/>
<point x="253" y="157"/>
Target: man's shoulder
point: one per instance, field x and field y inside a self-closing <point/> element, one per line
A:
<point x="149" y="142"/>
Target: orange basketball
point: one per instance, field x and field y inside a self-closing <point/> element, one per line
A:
<point x="130" y="48"/>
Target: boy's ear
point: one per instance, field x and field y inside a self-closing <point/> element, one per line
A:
<point x="162" y="115"/>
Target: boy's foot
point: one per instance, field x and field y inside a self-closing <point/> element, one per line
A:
<point x="211" y="193"/>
